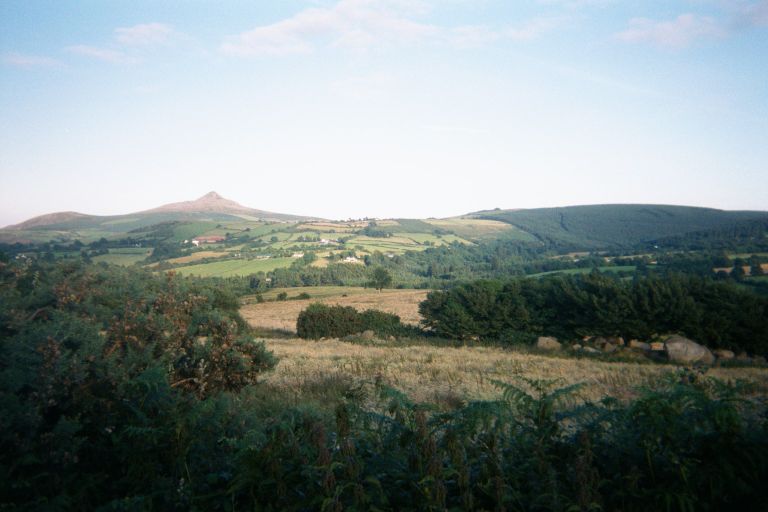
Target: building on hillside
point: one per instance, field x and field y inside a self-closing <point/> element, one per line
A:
<point x="211" y="239"/>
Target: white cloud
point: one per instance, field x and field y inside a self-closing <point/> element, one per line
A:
<point x="677" y="33"/>
<point x="144" y="34"/>
<point x="30" y="61"/>
<point x="103" y="54"/>
<point x="361" y="25"/>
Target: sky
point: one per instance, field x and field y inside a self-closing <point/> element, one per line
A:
<point x="382" y="108"/>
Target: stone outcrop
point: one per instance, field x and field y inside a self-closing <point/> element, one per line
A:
<point x="683" y="350"/>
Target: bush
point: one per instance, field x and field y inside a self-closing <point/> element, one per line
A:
<point x="321" y="321"/>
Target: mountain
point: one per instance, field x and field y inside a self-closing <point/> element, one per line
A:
<point x="50" y="219"/>
<point x="211" y="204"/>
<point x="214" y="203"/>
<point x="607" y="226"/>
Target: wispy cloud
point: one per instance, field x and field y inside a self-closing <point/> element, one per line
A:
<point x="30" y="61"/>
<point x="102" y="54"/>
<point x="678" y="33"/>
<point x="361" y="25"/>
<point x="144" y="34"/>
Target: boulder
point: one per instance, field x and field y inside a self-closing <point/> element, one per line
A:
<point x="590" y="350"/>
<point x="683" y="350"/>
<point x="639" y="345"/>
<point x="657" y="346"/>
<point x="609" y="348"/>
<point x="599" y="341"/>
<point x="615" y="340"/>
<point x="368" y="335"/>
<point x="391" y="338"/>
<point x="576" y="347"/>
<point x="724" y="354"/>
<point x="547" y="343"/>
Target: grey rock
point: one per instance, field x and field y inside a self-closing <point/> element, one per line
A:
<point x="683" y="350"/>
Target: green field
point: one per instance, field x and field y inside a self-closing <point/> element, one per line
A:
<point x="124" y="256"/>
<point x="574" y="271"/>
<point x="316" y="292"/>
<point x="236" y="267"/>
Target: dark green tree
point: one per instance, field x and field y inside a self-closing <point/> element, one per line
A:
<point x="381" y="278"/>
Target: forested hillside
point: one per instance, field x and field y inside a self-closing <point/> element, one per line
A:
<point x="613" y="226"/>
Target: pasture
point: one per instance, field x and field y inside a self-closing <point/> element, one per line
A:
<point x="282" y="315"/>
<point x="236" y="267"/>
<point x="124" y="256"/>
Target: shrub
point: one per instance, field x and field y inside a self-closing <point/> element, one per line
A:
<point x="321" y="321"/>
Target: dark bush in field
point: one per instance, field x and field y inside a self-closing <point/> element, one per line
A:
<point x="321" y="321"/>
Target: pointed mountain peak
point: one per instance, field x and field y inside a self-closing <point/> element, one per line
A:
<point x="212" y="195"/>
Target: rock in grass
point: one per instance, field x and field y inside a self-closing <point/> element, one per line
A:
<point x="724" y="354"/>
<point x="547" y="343"/>
<point x="639" y="345"/>
<point x="590" y="350"/>
<point x="683" y="350"/>
<point x="368" y="335"/>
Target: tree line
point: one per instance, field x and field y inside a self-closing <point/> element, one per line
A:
<point x="717" y="314"/>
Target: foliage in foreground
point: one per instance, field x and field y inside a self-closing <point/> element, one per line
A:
<point x="99" y="414"/>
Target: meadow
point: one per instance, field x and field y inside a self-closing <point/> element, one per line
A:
<point x="236" y="267"/>
<point x="282" y="315"/>
<point x="448" y="376"/>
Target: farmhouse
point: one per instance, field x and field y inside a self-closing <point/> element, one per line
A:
<point x="212" y="239"/>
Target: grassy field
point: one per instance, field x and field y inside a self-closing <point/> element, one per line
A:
<point x="478" y="229"/>
<point x="197" y="256"/>
<point x="282" y="315"/>
<point x="124" y="257"/>
<point x="317" y="292"/>
<point x="238" y="267"/>
<point x="441" y="374"/>
<point x="572" y="271"/>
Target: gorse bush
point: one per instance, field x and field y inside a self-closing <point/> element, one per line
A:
<point x="720" y="315"/>
<point x="321" y="321"/>
<point x="101" y="371"/>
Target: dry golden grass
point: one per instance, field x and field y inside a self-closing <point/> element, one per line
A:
<point x="197" y="256"/>
<point x="441" y="374"/>
<point x="283" y="315"/>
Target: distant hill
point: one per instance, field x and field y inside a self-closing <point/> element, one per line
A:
<point x="618" y="225"/>
<point x="74" y="225"/>
<point x="210" y="203"/>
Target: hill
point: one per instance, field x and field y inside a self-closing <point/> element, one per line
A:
<point x="73" y="225"/>
<point x="610" y="226"/>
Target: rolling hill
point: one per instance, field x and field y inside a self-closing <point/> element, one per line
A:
<point x="73" y="225"/>
<point x="618" y="225"/>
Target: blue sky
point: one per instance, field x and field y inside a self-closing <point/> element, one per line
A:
<point x="354" y="108"/>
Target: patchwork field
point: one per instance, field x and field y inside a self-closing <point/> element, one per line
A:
<point x="442" y="374"/>
<point x="282" y="315"/>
